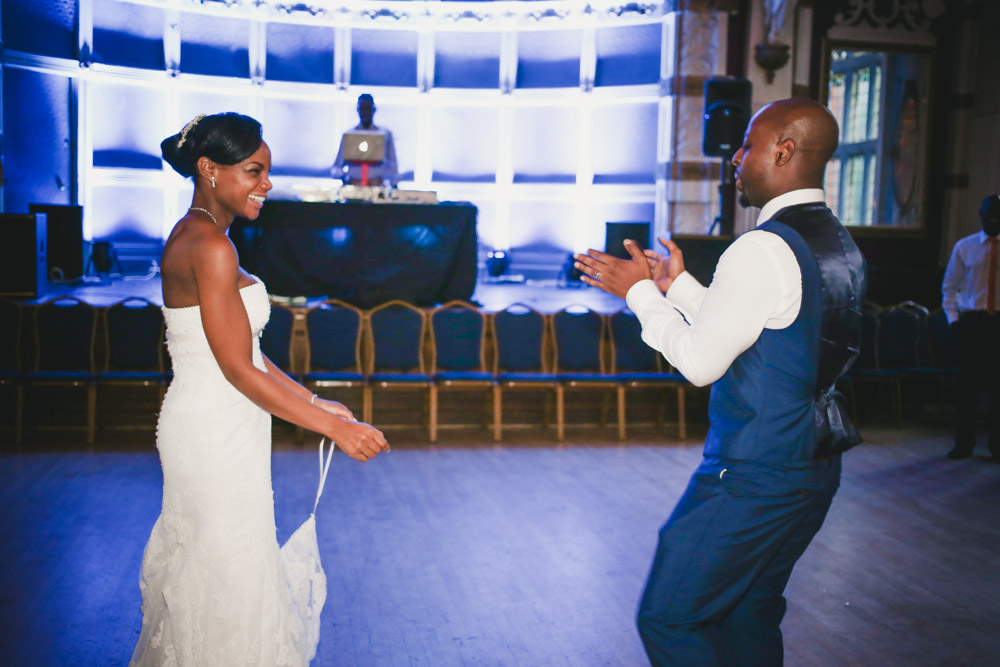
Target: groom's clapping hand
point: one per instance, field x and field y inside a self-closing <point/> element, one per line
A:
<point x="665" y="269"/>
<point x="611" y="274"/>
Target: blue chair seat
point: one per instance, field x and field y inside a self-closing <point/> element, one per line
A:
<point x="130" y="376"/>
<point x="63" y="376"/>
<point x="332" y="376"/>
<point x="528" y="378"/>
<point x="602" y="378"/>
<point x="400" y="378"/>
<point x="463" y="376"/>
<point x="650" y="377"/>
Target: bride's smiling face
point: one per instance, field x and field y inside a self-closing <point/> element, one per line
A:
<point x="243" y="187"/>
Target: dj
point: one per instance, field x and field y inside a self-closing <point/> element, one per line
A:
<point x="379" y="173"/>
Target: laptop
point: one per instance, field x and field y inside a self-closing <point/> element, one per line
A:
<point x="364" y="147"/>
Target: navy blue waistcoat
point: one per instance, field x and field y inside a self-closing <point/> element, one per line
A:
<point x="776" y="402"/>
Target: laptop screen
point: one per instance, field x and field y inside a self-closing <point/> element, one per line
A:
<point x="364" y="147"/>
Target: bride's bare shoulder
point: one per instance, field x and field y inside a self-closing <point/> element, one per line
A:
<point x="193" y="241"/>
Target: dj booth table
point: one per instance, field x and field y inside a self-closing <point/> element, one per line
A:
<point x="363" y="253"/>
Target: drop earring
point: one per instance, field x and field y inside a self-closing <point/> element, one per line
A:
<point x="213" y="181"/>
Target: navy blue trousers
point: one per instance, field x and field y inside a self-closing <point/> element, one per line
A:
<point x="714" y="593"/>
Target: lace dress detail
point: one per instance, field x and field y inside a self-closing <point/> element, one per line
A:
<point x="216" y="589"/>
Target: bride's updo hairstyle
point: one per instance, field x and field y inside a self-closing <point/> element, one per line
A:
<point x="225" y="138"/>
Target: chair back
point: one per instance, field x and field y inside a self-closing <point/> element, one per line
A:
<point x="396" y="331"/>
<point x="133" y="336"/>
<point x="868" y="355"/>
<point x="943" y="350"/>
<point x="11" y="315"/>
<point x="923" y="339"/>
<point x="276" y="339"/>
<point x="519" y="336"/>
<point x="629" y="353"/>
<point x="899" y="338"/>
<point x="333" y="330"/>
<point x="578" y="338"/>
<point x="64" y="335"/>
<point x="458" y="338"/>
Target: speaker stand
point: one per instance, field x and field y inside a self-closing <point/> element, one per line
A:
<point x="727" y="200"/>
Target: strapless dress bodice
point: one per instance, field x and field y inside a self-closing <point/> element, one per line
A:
<point x="190" y="353"/>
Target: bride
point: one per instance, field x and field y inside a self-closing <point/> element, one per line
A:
<point x="216" y="589"/>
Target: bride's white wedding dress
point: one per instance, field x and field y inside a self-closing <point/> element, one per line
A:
<point x="216" y="589"/>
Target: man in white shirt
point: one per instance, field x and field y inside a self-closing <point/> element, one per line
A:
<point x="779" y="324"/>
<point x="969" y="299"/>
<point x="382" y="173"/>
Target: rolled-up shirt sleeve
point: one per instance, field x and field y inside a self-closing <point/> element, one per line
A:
<point x="748" y="292"/>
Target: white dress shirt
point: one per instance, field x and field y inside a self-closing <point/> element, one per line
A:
<point x="965" y="279"/>
<point x="757" y="285"/>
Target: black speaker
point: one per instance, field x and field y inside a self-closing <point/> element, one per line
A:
<point x="22" y="255"/>
<point x="701" y="254"/>
<point x="727" y="113"/>
<point x="615" y="234"/>
<point x="65" y="237"/>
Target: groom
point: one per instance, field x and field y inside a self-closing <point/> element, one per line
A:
<point x="779" y="324"/>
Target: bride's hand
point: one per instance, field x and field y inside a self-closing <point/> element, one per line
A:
<point x="361" y="441"/>
<point x="335" y="408"/>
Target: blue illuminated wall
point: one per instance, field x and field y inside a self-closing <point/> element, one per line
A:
<point x="546" y="121"/>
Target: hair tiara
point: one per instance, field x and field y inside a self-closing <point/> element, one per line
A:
<point x="187" y="128"/>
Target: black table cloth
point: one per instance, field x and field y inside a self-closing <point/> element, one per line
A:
<point x="363" y="253"/>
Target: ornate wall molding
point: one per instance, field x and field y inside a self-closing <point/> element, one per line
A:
<point x="895" y="21"/>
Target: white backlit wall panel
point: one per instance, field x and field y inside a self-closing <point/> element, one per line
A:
<point x="45" y="28"/>
<point x="463" y="143"/>
<point x="549" y="58"/>
<point x="127" y="211"/>
<point x="545" y="143"/>
<point x="384" y="58"/>
<point x="191" y="103"/>
<point x="543" y="223"/>
<point x="128" y="35"/>
<point x="624" y="142"/>
<point x="215" y="45"/>
<point x="628" y="55"/>
<point x="126" y="124"/>
<point x="300" y="53"/>
<point x="466" y="59"/>
<point x="309" y="150"/>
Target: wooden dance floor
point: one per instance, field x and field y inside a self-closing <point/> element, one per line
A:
<point x="526" y="554"/>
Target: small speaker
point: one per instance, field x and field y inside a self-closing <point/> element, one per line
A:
<point x="22" y="255"/>
<point x="615" y="234"/>
<point x="727" y="113"/>
<point x="65" y="237"/>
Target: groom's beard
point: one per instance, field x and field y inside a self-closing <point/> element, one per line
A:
<point x="744" y="200"/>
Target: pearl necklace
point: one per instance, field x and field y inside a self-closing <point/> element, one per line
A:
<point x="206" y="212"/>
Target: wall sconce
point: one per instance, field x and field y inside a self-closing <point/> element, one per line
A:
<point x="771" y="56"/>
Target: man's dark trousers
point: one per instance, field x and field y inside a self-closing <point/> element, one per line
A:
<point x="714" y="596"/>
<point x="979" y="371"/>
